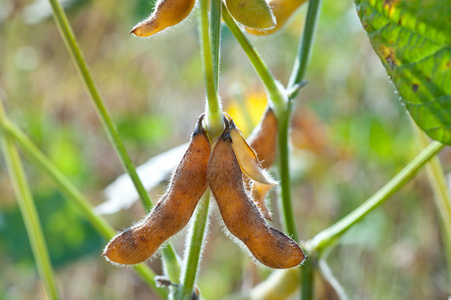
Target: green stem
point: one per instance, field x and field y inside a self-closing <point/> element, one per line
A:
<point x="441" y="195"/>
<point x="275" y="91"/>
<point x="83" y="69"/>
<point x="214" y="121"/>
<point x="71" y="193"/>
<point x="196" y="235"/>
<point x="215" y="38"/>
<point x="288" y="219"/>
<point x="297" y="77"/>
<point x="328" y="236"/>
<point x="305" y="45"/>
<point x="307" y="280"/>
<point x="29" y="214"/>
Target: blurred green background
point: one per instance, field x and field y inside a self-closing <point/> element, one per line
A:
<point x="350" y="135"/>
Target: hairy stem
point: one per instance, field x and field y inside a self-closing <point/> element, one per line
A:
<point x="29" y="213"/>
<point x="210" y="58"/>
<point x="327" y="237"/>
<point x="194" y="251"/>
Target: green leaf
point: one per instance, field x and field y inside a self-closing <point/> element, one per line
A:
<point x="413" y="40"/>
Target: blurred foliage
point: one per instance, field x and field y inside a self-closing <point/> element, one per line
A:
<point x="350" y="135"/>
<point x="69" y="236"/>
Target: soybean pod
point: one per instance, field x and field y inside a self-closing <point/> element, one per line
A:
<point x="167" y="13"/>
<point x="172" y="212"/>
<point x="241" y="216"/>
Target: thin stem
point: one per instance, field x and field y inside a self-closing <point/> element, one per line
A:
<point x="83" y="69"/>
<point x="214" y="121"/>
<point x="71" y="193"/>
<point x="215" y="38"/>
<point x="328" y="236"/>
<point x="196" y="235"/>
<point x="29" y="214"/>
<point x="275" y="91"/>
<point x="442" y="195"/>
<point x="305" y="45"/>
<point x="288" y="219"/>
<point x="297" y="78"/>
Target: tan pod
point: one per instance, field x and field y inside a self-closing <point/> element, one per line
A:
<point x="264" y="139"/>
<point x="282" y="10"/>
<point x="251" y="13"/>
<point x="167" y="13"/>
<point x="172" y="212"/>
<point x="242" y="218"/>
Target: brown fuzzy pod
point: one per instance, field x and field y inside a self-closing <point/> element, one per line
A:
<point x="242" y="218"/>
<point x="264" y="139"/>
<point x="258" y="193"/>
<point x="172" y="212"/>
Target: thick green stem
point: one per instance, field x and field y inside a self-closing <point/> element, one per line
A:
<point x="307" y="280"/>
<point x="83" y="69"/>
<point x="305" y="45"/>
<point x="214" y="121"/>
<point x="29" y="214"/>
<point x="73" y="194"/>
<point x="193" y="254"/>
<point x="327" y="237"/>
<point x="275" y="91"/>
<point x="441" y="195"/>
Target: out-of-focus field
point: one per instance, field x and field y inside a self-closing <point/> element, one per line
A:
<point x="350" y="135"/>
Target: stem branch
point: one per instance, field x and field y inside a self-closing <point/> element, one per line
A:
<point x="327" y="237"/>
<point x="29" y="213"/>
